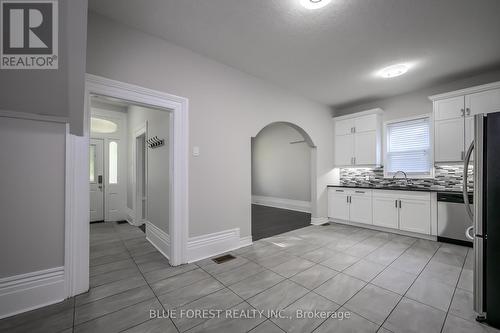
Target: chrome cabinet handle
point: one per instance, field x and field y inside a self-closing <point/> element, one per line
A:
<point x="462" y="155"/>
<point x="468" y="111"/>
<point x="468" y="232"/>
<point x="462" y="112"/>
<point x="396" y="203"/>
<point x="399" y="203"/>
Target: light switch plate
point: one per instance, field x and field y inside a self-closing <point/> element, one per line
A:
<point x="196" y="151"/>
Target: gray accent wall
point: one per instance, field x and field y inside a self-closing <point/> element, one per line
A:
<point x="58" y="92"/>
<point x="32" y="165"/>
<point x="281" y="169"/>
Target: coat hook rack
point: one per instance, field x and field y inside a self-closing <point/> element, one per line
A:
<point x="155" y="142"/>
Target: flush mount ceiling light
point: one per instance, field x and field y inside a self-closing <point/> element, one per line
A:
<point x="314" y="4"/>
<point x="99" y="125"/>
<point x="393" y="71"/>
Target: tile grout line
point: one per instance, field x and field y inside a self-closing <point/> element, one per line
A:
<point x="418" y="275"/>
<point x="453" y="295"/>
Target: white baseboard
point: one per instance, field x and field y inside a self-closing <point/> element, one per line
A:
<point x="158" y="238"/>
<point x="31" y="291"/>
<point x="246" y="241"/>
<point x="209" y="245"/>
<point x="130" y="217"/>
<point x="297" y="205"/>
<point x="319" y="220"/>
<point x="384" y="229"/>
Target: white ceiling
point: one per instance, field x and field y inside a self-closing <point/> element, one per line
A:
<point x="328" y="55"/>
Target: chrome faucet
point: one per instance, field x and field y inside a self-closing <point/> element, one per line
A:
<point x="404" y="174"/>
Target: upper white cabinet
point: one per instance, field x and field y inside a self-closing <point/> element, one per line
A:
<point x="454" y="119"/>
<point x="358" y="138"/>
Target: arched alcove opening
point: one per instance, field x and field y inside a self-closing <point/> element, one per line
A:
<point x="283" y="179"/>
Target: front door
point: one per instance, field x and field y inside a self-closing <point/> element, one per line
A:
<point x="96" y="158"/>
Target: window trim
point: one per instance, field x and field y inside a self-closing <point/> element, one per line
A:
<point x="431" y="173"/>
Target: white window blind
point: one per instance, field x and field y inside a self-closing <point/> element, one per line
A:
<point x="408" y="147"/>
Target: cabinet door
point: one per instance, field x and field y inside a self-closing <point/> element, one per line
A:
<point x="343" y="127"/>
<point x="469" y="133"/>
<point x="385" y="212"/>
<point x="449" y="140"/>
<point x="415" y="216"/>
<point x="365" y="148"/>
<point x="365" y="123"/>
<point x="449" y="108"/>
<point x="344" y="149"/>
<point x="338" y="207"/>
<point x="360" y="209"/>
<point x="483" y="102"/>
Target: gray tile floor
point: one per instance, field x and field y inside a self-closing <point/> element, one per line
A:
<point x="386" y="282"/>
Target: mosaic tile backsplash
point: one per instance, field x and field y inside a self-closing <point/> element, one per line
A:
<point x="446" y="178"/>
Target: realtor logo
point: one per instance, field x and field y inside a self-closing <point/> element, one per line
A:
<point x="29" y="34"/>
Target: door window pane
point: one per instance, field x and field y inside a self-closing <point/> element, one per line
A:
<point x="92" y="163"/>
<point x="113" y="162"/>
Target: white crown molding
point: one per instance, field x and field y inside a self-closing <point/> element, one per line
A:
<point x="360" y="114"/>
<point x="319" y="220"/>
<point x="466" y="91"/>
<point x="209" y="245"/>
<point x="25" y="292"/>
<point x="158" y="238"/>
<point x="297" y="205"/>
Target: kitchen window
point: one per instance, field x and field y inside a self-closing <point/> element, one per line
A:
<point x="408" y="148"/>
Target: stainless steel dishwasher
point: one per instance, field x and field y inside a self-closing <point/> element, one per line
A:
<point x="452" y="218"/>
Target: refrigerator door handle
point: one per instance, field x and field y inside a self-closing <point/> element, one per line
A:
<point x="468" y="233"/>
<point x="464" y="185"/>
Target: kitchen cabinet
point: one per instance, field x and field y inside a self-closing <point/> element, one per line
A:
<point x="344" y="149"/>
<point x="449" y="140"/>
<point x="338" y="203"/>
<point x="350" y="205"/>
<point x="357" y="140"/>
<point x="385" y="211"/>
<point x="360" y="206"/>
<point x="400" y="210"/>
<point x="415" y="215"/>
<point x="454" y="119"/>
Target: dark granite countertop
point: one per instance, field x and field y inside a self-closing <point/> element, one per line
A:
<point x="397" y="188"/>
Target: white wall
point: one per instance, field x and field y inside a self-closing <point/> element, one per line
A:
<point x="32" y="164"/>
<point x="227" y="108"/>
<point x="158" y="161"/>
<point x="280" y="169"/>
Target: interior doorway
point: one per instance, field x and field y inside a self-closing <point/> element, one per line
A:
<point x="283" y="180"/>
<point x="141" y="175"/>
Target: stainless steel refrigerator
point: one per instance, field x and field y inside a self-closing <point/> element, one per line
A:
<point x="484" y="153"/>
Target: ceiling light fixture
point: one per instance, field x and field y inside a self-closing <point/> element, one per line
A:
<point x="393" y="71"/>
<point x="314" y="4"/>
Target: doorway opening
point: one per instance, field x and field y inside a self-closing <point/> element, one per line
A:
<point x="283" y="179"/>
<point x="130" y="189"/>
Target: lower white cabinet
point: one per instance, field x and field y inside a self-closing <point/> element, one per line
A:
<point x="385" y="211"/>
<point x="350" y="205"/>
<point x="415" y="215"/>
<point x="360" y="206"/>
<point x="403" y="210"/>
<point x="338" y="204"/>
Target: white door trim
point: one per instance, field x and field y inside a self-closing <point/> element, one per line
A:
<point x="141" y="130"/>
<point x="77" y="187"/>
